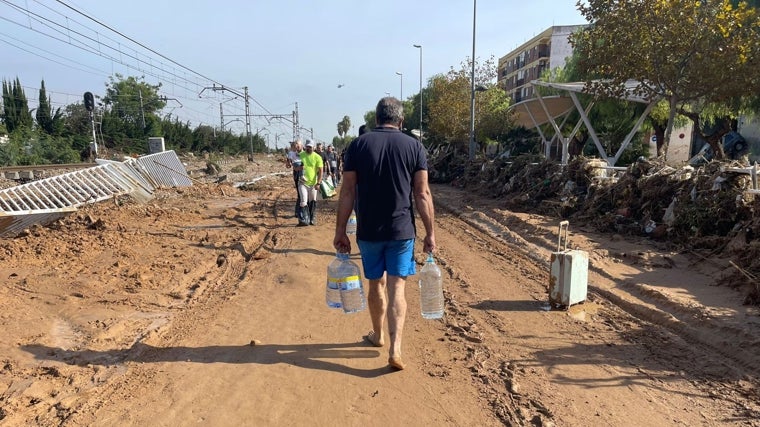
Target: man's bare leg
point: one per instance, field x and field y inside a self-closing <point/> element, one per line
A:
<point x="396" y="318"/>
<point x="377" y="301"/>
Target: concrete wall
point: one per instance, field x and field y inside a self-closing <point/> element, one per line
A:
<point x="560" y="46"/>
<point x="679" y="150"/>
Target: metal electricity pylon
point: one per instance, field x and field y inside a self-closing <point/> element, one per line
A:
<point x="244" y="95"/>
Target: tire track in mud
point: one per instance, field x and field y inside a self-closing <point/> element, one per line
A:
<point x="497" y="378"/>
<point x="237" y="259"/>
<point x="234" y="262"/>
<point x="690" y="324"/>
<point x="698" y="333"/>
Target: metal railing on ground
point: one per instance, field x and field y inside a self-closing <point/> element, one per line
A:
<point x="45" y="200"/>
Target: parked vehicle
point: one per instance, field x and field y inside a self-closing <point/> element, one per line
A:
<point x="734" y="146"/>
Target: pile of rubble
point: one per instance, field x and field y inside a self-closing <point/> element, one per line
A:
<point x="711" y="210"/>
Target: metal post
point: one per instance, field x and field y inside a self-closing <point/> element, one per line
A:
<point x="221" y="117"/>
<point x="472" y="85"/>
<point x="248" y="120"/>
<point x="401" y="96"/>
<point x="94" y="148"/>
<point x="296" y="124"/>
<point x="419" y="46"/>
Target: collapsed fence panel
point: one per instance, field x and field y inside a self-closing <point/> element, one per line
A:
<point x="163" y="169"/>
<point x="45" y="200"/>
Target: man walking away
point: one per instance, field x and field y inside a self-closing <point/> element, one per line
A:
<point x="332" y="161"/>
<point x="309" y="185"/>
<point x="384" y="169"/>
<point x="320" y="149"/>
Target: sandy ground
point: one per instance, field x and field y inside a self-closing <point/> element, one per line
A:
<point x="206" y="306"/>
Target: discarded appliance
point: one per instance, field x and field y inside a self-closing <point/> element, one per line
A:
<point x="568" y="281"/>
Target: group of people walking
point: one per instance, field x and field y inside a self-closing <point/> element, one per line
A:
<point x="311" y="164"/>
<point x="384" y="176"/>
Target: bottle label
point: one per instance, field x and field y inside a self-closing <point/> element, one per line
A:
<point x="349" y="282"/>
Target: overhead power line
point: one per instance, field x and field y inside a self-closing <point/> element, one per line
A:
<point x="136" y="42"/>
<point x="80" y="44"/>
<point x="61" y="27"/>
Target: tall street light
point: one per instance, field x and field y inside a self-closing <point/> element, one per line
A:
<point x="472" y="85"/>
<point x="401" y="75"/>
<point x="419" y="46"/>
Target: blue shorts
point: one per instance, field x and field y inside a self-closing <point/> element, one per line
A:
<point x="393" y="256"/>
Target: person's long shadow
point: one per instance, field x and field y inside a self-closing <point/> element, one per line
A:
<point x="309" y="356"/>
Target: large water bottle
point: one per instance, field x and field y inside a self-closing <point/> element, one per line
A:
<point x="431" y="290"/>
<point x="344" y="285"/>
<point x="351" y="226"/>
<point x="351" y="289"/>
<point x="336" y="270"/>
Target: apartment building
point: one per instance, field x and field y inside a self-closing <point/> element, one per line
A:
<point x="546" y="51"/>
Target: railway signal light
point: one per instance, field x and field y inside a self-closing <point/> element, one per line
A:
<point x="89" y="101"/>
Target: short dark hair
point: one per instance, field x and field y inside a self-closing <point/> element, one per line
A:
<point x="389" y="111"/>
<point x="362" y="129"/>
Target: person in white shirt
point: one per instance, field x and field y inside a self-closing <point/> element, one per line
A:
<point x="294" y="161"/>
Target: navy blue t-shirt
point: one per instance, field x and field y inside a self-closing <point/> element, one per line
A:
<point x="385" y="161"/>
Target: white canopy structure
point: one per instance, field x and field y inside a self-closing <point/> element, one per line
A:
<point x="537" y="111"/>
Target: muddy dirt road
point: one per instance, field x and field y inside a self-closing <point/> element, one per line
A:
<point x="206" y="306"/>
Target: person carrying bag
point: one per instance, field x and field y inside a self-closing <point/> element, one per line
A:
<point x="327" y="188"/>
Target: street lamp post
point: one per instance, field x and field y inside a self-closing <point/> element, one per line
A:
<point x="401" y="75"/>
<point x="472" y="85"/>
<point x="419" y="46"/>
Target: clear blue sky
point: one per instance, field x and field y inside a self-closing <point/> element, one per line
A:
<point x="284" y="51"/>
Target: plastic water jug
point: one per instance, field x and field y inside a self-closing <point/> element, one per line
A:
<point x="351" y="226"/>
<point x="344" y="285"/>
<point x="431" y="290"/>
<point x="336" y="270"/>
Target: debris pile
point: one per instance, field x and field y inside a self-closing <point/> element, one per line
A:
<point x="706" y="210"/>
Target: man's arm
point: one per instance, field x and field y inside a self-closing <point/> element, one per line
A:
<point x="423" y="199"/>
<point x="345" y="206"/>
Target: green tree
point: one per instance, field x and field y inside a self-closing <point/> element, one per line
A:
<point x="448" y="105"/>
<point x="48" y="149"/>
<point x="177" y="135"/>
<point x="492" y="116"/>
<point x="342" y="142"/>
<point x="48" y="120"/>
<point x="370" y="119"/>
<point x="412" y="114"/>
<point x="204" y="137"/>
<point x="131" y="108"/>
<point x="16" y="112"/>
<point x="344" y="126"/>
<point x="12" y="152"/>
<point x="77" y="127"/>
<point x="694" y="54"/>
